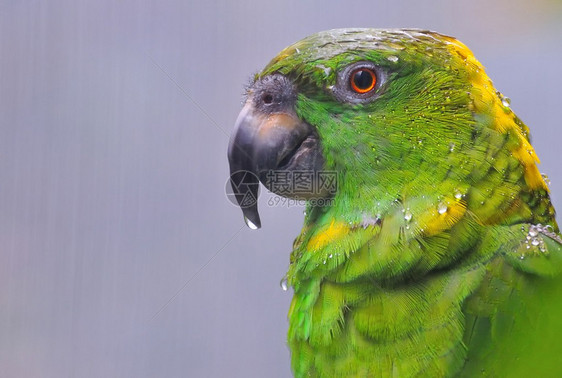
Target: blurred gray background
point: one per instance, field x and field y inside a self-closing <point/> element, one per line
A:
<point x="119" y="254"/>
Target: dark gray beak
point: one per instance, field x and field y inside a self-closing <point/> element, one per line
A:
<point x="269" y="138"/>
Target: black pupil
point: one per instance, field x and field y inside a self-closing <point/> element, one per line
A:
<point x="362" y="79"/>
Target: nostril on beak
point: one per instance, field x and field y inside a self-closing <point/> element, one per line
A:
<point x="267" y="98"/>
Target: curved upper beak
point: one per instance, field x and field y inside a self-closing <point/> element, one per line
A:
<point x="264" y="144"/>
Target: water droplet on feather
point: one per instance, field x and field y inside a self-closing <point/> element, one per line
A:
<point x="408" y="215"/>
<point x="535" y="242"/>
<point x="284" y="284"/>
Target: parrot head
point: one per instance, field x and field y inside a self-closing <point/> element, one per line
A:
<point x="393" y="113"/>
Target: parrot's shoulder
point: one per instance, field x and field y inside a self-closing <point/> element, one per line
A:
<point x="532" y="249"/>
<point x="514" y="313"/>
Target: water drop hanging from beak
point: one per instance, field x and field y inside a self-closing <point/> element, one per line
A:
<point x="250" y="224"/>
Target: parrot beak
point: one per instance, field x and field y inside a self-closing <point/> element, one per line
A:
<point x="270" y="142"/>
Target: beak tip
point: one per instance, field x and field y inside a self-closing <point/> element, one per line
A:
<point x="252" y="217"/>
<point x="244" y="187"/>
<point x="252" y="225"/>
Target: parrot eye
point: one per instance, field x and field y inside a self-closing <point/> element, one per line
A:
<point x="358" y="83"/>
<point x="362" y="80"/>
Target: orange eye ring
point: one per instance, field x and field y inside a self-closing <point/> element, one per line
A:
<point x="362" y="80"/>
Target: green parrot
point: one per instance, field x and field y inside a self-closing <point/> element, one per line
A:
<point x="429" y="246"/>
